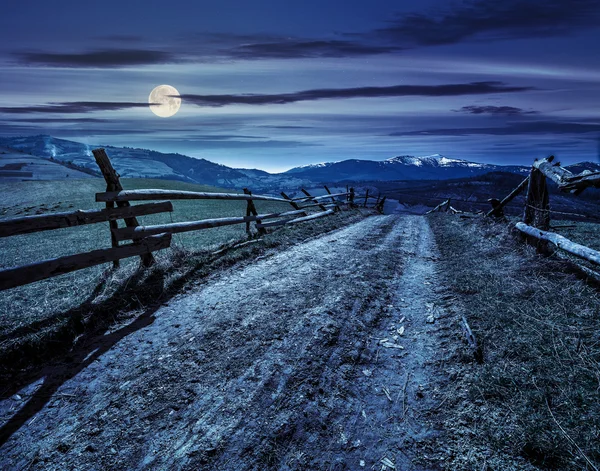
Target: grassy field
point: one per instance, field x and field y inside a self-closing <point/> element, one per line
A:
<point x="534" y="402"/>
<point x="43" y="306"/>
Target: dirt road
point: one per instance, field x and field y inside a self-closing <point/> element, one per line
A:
<point x="318" y="357"/>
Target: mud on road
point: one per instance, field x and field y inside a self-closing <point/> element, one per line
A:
<point x="318" y="357"/>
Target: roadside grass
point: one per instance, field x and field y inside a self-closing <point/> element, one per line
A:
<point x="32" y="303"/>
<point x="534" y="403"/>
<point x="46" y="317"/>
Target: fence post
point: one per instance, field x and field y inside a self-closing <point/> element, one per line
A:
<point x="366" y="198"/>
<point x="293" y="203"/>
<point x="323" y="208"/>
<point x="351" y="198"/>
<point x="537" y="207"/>
<point x="329" y="192"/>
<point x="251" y="210"/>
<point x="114" y="184"/>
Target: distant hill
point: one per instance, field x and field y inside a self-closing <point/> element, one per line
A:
<point x="405" y="167"/>
<point x="19" y="166"/>
<point x="144" y="163"/>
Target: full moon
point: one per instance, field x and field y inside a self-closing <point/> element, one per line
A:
<point x="164" y="101"/>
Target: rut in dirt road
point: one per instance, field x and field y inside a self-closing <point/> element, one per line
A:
<point x="317" y="357"/>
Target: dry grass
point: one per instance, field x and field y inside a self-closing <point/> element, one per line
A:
<point x="540" y="382"/>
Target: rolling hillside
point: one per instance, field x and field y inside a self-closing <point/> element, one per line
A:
<point x="144" y="163"/>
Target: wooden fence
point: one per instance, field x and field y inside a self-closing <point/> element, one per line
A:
<point x="144" y="240"/>
<point x="536" y="214"/>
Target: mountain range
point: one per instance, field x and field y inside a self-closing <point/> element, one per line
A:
<point x="133" y="162"/>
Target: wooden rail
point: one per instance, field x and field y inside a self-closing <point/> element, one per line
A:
<point x="561" y="242"/>
<point x="319" y="198"/>
<point x="44" y="222"/>
<point x="13" y="277"/>
<point x="565" y="179"/>
<point x="298" y="220"/>
<point x="148" y="195"/>
<point x="177" y="227"/>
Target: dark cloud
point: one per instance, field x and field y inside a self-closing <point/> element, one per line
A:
<point x="288" y="49"/>
<point x="109" y="58"/>
<point x="72" y="107"/>
<point x="60" y="120"/>
<point x="494" y="110"/>
<point x="536" y="127"/>
<point x="507" y="19"/>
<point x="474" y="88"/>
<point x="9" y="129"/>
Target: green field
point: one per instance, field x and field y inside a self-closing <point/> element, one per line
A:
<point x="37" y="302"/>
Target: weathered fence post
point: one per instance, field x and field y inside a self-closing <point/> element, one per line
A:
<point x="380" y="205"/>
<point x="366" y="199"/>
<point x="251" y="211"/>
<point x="537" y="205"/>
<point x="351" y="198"/>
<point x="337" y="208"/>
<point x="322" y="207"/>
<point x="114" y="184"/>
<point x="293" y="203"/>
<point x="497" y="206"/>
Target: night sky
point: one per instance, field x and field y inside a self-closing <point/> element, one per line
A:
<point x="273" y="84"/>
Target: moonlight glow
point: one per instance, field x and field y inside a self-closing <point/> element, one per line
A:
<point x="164" y="101"/>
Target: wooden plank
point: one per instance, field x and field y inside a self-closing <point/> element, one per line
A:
<point x="318" y="198"/>
<point x="45" y="222"/>
<point x="177" y="227"/>
<point x="498" y="210"/>
<point x="298" y="220"/>
<point x="578" y="183"/>
<point x="556" y="173"/>
<point x="48" y="268"/>
<point x="113" y="184"/>
<point x="146" y="195"/>
<point x="566" y="180"/>
<point x="561" y="242"/>
<point x="443" y="206"/>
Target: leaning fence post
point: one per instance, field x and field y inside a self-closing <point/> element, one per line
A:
<point x="114" y="184"/>
<point x="351" y="197"/>
<point x="323" y="208"/>
<point x="293" y="203"/>
<point x="251" y="210"/>
<point x="366" y="197"/>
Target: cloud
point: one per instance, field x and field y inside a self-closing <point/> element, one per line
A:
<point x="536" y="127"/>
<point x="60" y="120"/>
<point x="508" y="19"/>
<point x="72" y="107"/>
<point x="494" y="110"/>
<point x="301" y="48"/>
<point x="473" y="88"/>
<point x="108" y="58"/>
